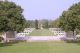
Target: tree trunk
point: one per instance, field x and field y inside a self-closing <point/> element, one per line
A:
<point x="73" y="34"/>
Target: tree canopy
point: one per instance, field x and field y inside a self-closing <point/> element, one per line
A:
<point x="36" y="24"/>
<point x="45" y="23"/>
<point x="70" y="19"/>
<point x="11" y="17"/>
<point x="55" y="23"/>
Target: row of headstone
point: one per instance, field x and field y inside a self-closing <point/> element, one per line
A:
<point x="57" y="31"/>
<point x="68" y="34"/>
<point x="28" y="30"/>
<point x="25" y="34"/>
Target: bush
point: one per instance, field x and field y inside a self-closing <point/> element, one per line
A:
<point x="72" y="40"/>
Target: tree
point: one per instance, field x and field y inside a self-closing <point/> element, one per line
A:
<point x="31" y="23"/>
<point x="36" y="24"/>
<point x="27" y="24"/>
<point x="11" y="18"/>
<point x="45" y="24"/>
<point x="55" y="23"/>
<point x="70" y="19"/>
<point x="50" y="23"/>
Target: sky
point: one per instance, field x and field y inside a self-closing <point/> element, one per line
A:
<point x="44" y="9"/>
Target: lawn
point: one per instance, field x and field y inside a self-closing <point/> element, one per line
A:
<point x="41" y="47"/>
<point x="43" y="32"/>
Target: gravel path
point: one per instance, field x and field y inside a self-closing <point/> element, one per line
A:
<point x="44" y="38"/>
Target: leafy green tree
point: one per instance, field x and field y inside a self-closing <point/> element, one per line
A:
<point x="11" y="18"/>
<point x="70" y="19"/>
<point x="36" y="24"/>
<point x="55" y="23"/>
<point x="27" y="24"/>
<point x="45" y="24"/>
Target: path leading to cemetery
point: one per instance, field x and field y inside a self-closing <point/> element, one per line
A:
<point x="43" y="35"/>
<point x="40" y="35"/>
<point x="44" y="38"/>
<point x="43" y="32"/>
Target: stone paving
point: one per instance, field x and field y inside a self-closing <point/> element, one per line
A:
<point x="44" y="38"/>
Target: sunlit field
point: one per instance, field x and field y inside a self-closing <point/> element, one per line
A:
<point x="41" y="47"/>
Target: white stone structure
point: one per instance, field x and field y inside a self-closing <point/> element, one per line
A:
<point x="9" y="36"/>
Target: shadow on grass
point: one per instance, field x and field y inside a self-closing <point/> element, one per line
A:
<point x="11" y="43"/>
<point x="7" y="44"/>
<point x="74" y="42"/>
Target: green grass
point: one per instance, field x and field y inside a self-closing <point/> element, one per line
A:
<point x="43" y="32"/>
<point x="41" y="47"/>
